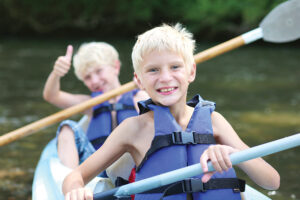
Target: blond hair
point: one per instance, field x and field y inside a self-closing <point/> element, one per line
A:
<point x="165" y="37"/>
<point x="93" y="54"/>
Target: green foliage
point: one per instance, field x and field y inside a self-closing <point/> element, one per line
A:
<point x="208" y="18"/>
<point x="212" y="17"/>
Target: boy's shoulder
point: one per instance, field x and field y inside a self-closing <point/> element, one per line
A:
<point x="141" y="120"/>
<point x="138" y="123"/>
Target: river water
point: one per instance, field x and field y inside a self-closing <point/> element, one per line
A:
<point x="256" y="88"/>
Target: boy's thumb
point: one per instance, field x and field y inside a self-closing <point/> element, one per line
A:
<point x="69" y="52"/>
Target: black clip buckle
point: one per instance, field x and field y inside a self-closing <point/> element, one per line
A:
<point x="116" y="106"/>
<point x="183" y="137"/>
<point x="192" y="185"/>
<point x="187" y="186"/>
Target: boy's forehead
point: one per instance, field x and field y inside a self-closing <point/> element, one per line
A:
<point x="161" y="56"/>
<point x="92" y="68"/>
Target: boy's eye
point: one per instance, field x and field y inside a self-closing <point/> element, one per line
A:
<point x="98" y="71"/>
<point x="175" y="66"/>
<point x="86" y="78"/>
<point x="152" y="70"/>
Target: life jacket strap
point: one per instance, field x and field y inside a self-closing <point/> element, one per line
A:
<point x="112" y="107"/>
<point x="184" y="137"/>
<point x="192" y="185"/>
<point x="177" y="138"/>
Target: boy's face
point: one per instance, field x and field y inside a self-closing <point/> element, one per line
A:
<point x="101" y="77"/>
<point x="165" y="77"/>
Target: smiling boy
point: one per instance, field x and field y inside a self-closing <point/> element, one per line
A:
<point x="97" y="65"/>
<point x="169" y="133"/>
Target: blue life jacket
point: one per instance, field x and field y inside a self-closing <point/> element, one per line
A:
<point x="173" y="148"/>
<point x="101" y="123"/>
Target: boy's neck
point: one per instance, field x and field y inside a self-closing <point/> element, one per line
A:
<point x="182" y="113"/>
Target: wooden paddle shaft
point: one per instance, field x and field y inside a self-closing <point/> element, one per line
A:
<point x="64" y="114"/>
<point x="219" y="49"/>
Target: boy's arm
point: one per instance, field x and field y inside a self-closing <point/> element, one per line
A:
<point x="76" y="188"/>
<point x="54" y="95"/>
<point x="114" y="147"/>
<point x="258" y="170"/>
<point x="52" y="91"/>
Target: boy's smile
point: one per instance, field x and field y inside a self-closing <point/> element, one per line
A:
<point x="167" y="90"/>
<point x="101" y="78"/>
<point x="165" y="77"/>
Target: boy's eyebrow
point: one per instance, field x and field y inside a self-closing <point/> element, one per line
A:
<point x="150" y="65"/>
<point x="177" y="61"/>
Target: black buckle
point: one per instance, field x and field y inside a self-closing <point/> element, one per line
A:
<point x="116" y="106"/>
<point x="183" y="137"/>
<point x="241" y="186"/>
<point x="192" y="185"/>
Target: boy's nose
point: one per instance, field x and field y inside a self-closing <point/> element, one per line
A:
<point x="165" y="75"/>
<point x="94" y="79"/>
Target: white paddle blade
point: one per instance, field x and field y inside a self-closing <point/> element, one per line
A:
<point x="282" y="24"/>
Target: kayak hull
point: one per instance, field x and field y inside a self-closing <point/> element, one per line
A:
<point x="50" y="173"/>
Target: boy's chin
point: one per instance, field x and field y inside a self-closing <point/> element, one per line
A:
<point x="166" y="102"/>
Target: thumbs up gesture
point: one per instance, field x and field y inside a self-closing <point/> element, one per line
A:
<point x="63" y="63"/>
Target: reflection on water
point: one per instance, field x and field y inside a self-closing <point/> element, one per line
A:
<point x="255" y="87"/>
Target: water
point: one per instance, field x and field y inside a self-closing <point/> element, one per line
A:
<point x="255" y="87"/>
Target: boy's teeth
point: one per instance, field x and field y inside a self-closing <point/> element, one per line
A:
<point x="167" y="90"/>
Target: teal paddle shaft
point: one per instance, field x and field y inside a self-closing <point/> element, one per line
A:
<point x="196" y="169"/>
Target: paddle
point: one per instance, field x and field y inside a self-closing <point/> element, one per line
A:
<point x="281" y="20"/>
<point x="282" y="24"/>
<point x="193" y="170"/>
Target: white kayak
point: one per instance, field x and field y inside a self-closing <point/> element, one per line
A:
<point x="50" y="173"/>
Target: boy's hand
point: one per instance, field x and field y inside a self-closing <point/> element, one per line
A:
<point x="63" y="63"/>
<point x="79" y="194"/>
<point x="219" y="157"/>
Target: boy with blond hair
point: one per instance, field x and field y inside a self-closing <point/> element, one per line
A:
<point x="97" y="65"/>
<point x="170" y="132"/>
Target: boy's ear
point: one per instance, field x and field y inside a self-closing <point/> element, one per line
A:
<point x="138" y="82"/>
<point x="118" y="66"/>
<point x="192" y="74"/>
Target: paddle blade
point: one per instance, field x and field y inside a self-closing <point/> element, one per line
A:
<point x="282" y="24"/>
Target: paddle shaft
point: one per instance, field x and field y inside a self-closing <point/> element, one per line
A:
<point x="229" y="45"/>
<point x="64" y="114"/>
<point x="219" y="49"/>
<point x="196" y="169"/>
